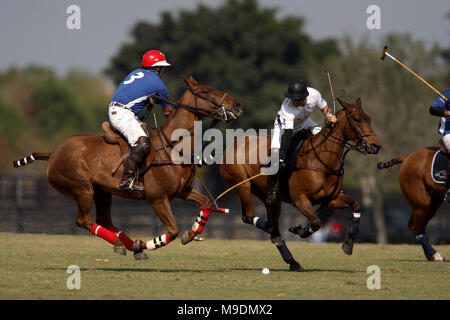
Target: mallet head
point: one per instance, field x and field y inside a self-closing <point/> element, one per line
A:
<point x="384" y="53"/>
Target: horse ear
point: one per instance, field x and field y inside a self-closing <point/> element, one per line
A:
<point x="191" y="82"/>
<point x="343" y="103"/>
<point x="358" y="102"/>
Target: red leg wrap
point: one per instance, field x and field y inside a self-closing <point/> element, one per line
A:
<point x="203" y="219"/>
<point x="103" y="233"/>
<point x="123" y="237"/>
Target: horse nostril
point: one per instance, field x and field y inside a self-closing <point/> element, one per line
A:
<point x="238" y="107"/>
<point x="375" y="147"/>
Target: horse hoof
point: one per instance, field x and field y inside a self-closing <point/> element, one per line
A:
<point x="347" y="247"/>
<point x="295" y="266"/>
<point x="140" y="256"/>
<point x="295" y="229"/>
<point x="120" y="250"/>
<point x="437" y="257"/>
<point x="185" y="238"/>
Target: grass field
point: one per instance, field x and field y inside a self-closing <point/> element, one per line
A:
<point x="33" y="266"/>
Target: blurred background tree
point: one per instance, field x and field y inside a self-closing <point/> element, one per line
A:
<point x="239" y="47"/>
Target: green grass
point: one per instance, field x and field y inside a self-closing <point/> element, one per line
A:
<point x="33" y="266"/>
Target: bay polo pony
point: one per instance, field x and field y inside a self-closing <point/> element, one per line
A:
<point x="316" y="176"/>
<point x="85" y="168"/>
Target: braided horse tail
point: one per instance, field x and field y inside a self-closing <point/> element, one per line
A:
<point x="31" y="158"/>
<point x="390" y="163"/>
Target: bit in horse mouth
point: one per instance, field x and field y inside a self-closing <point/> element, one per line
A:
<point x="231" y="115"/>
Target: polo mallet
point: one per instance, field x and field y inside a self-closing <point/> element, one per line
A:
<point x="332" y="93"/>
<point x="385" y="53"/>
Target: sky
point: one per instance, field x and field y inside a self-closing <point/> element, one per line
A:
<point x="36" y="31"/>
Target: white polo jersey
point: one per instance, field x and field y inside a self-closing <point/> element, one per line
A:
<point x="297" y="118"/>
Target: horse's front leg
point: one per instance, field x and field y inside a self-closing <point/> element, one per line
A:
<point x="165" y="215"/>
<point x="303" y="204"/>
<point x="344" y="201"/>
<point x="192" y="194"/>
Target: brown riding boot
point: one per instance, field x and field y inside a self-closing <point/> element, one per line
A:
<point x="130" y="178"/>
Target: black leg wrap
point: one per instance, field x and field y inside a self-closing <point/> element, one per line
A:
<point x="285" y="253"/>
<point x="264" y="225"/>
<point x="354" y="228"/>
<point x="427" y="248"/>
<point x="347" y="246"/>
<point x="288" y="258"/>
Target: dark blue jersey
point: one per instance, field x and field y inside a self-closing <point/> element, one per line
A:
<point x="444" y="124"/>
<point x="135" y="89"/>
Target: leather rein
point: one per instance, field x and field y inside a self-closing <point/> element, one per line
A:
<point x="218" y="114"/>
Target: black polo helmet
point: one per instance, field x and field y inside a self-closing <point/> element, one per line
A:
<point x="298" y="89"/>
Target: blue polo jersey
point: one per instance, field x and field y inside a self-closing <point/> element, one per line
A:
<point x="444" y="124"/>
<point x="135" y="89"/>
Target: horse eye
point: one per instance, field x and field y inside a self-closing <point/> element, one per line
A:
<point x="356" y="119"/>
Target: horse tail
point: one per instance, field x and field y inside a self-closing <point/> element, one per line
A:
<point x="31" y="158"/>
<point x="390" y="163"/>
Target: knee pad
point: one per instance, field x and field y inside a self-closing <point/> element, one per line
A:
<point x="141" y="150"/>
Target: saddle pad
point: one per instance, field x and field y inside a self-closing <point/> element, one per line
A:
<point x="439" y="167"/>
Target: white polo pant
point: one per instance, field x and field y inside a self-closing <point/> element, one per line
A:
<point x="126" y="123"/>
<point x="278" y="131"/>
<point x="446" y="140"/>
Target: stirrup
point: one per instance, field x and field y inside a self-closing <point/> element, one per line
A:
<point x="447" y="196"/>
<point x="130" y="185"/>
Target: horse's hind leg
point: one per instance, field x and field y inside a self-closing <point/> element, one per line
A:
<point x="418" y="222"/>
<point x="84" y="199"/>
<point x="103" y="201"/>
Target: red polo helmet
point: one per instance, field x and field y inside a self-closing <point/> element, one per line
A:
<point x="154" y="58"/>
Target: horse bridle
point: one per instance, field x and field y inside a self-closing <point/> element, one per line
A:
<point x="218" y="113"/>
<point x="217" y="106"/>
<point x="360" y="144"/>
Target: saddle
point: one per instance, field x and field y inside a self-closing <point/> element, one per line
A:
<point x="439" y="167"/>
<point x="111" y="136"/>
<point x="296" y="145"/>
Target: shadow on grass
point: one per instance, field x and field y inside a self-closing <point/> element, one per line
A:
<point x="221" y="270"/>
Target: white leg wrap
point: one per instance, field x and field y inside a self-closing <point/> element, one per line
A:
<point x="157" y="242"/>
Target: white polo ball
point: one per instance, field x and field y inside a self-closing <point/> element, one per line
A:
<point x="265" y="271"/>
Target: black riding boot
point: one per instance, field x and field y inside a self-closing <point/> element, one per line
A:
<point x="274" y="197"/>
<point x="130" y="178"/>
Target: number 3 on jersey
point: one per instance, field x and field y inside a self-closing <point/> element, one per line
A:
<point x="133" y="77"/>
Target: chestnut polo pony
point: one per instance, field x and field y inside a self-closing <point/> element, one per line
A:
<point x="316" y="178"/>
<point x="82" y="168"/>
<point x="424" y="195"/>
